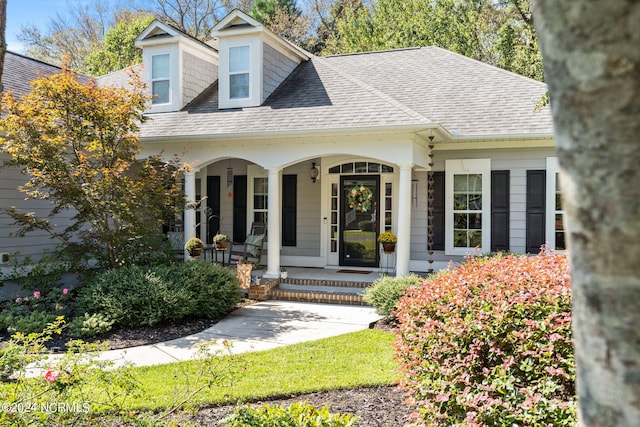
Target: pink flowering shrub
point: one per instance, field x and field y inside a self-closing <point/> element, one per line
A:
<point x="489" y="344"/>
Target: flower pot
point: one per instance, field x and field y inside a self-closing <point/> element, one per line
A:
<point x="388" y="248"/>
<point x="222" y="245"/>
<point x="195" y="253"/>
<point x="283" y="274"/>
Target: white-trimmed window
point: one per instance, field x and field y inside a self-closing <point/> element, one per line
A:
<point x="239" y="72"/>
<point x="258" y="195"/>
<point x="555" y="221"/>
<point x="160" y="79"/>
<point x="468" y="210"/>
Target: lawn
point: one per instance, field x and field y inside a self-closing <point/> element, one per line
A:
<point x="358" y="359"/>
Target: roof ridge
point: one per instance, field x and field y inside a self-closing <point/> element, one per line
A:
<point x="371" y="52"/>
<point x="390" y="100"/>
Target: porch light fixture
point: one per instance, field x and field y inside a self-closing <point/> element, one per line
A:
<point x="313" y="172"/>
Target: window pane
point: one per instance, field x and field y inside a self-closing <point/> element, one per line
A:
<point x="460" y="239"/>
<point x="558" y="201"/>
<point x="475" y="202"/>
<point x="387" y="189"/>
<point x="160" y="90"/>
<point x="260" y="185"/>
<point x="475" y="221"/>
<point x="475" y="183"/>
<point x="335" y="169"/>
<point x="475" y="239"/>
<point x="239" y="59"/>
<point x="386" y="169"/>
<point x="239" y="86"/>
<point x="460" y="183"/>
<point x="460" y="202"/>
<point x="560" y="242"/>
<point x="374" y="167"/>
<point x="160" y="67"/>
<point x="347" y="168"/>
<point x="260" y="217"/>
<point x="460" y="221"/>
<point x="334" y="190"/>
<point x="361" y="167"/>
<point x="259" y="202"/>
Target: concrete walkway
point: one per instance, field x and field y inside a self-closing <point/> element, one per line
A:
<point x="260" y="326"/>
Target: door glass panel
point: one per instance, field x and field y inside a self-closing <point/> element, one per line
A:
<point x="360" y="221"/>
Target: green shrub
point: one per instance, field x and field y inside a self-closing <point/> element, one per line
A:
<point x="489" y="343"/>
<point x="90" y="325"/>
<point x="35" y="321"/>
<point x="134" y="296"/>
<point x="385" y="293"/>
<point x="296" y="415"/>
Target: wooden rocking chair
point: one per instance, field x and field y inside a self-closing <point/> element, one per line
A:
<point x="251" y="249"/>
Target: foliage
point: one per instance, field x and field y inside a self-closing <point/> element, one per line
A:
<point x="194" y="17"/>
<point x="118" y="49"/>
<point x="33" y="313"/>
<point x="81" y="388"/>
<point x="192" y="244"/>
<point x="498" y="33"/>
<point x="265" y="10"/>
<point x="489" y="343"/>
<point x="387" y="237"/>
<point x="90" y="325"/>
<point x="221" y="238"/>
<point x="296" y="415"/>
<point x="385" y="293"/>
<point x="134" y="295"/>
<point x="77" y="142"/>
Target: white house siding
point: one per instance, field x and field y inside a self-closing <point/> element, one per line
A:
<point x="308" y="216"/>
<point x="517" y="162"/>
<point x="276" y="68"/>
<point x="33" y="244"/>
<point x="198" y="74"/>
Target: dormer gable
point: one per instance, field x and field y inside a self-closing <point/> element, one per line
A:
<point x="177" y="67"/>
<point x="253" y="60"/>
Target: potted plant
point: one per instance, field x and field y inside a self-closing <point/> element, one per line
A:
<point x="283" y="273"/>
<point x="388" y="240"/>
<point x="221" y="241"/>
<point x="194" y="247"/>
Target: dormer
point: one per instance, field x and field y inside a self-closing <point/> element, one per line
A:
<point x="253" y="60"/>
<point x="177" y="67"/>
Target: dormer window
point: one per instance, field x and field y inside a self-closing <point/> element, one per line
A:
<point x="239" y="72"/>
<point x="160" y="82"/>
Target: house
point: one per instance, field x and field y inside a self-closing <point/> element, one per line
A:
<point x="17" y="74"/>
<point x="279" y="135"/>
<point x="448" y="153"/>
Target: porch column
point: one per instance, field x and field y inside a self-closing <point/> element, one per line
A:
<point x="274" y="217"/>
<point x="403" y="248"/>
<point x="189" y="211"/>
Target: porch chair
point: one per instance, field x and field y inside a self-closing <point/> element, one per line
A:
<point x="251" y="248"/>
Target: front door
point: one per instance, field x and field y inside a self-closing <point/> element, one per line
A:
<point x="359" y="220"/>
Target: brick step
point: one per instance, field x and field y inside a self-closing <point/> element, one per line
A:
<point x="320" y="292"/>
<point x="310" y="290"/>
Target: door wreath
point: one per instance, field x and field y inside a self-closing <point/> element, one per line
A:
<point x="360" y="198"/>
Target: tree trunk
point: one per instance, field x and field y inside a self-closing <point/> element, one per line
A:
<point x="591" y="58"/>
<point x="3" y="43"/>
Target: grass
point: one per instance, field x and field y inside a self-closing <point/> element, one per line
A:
<point x="353" y="360"/>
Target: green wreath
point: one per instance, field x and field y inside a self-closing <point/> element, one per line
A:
<point x="361" y="198"/>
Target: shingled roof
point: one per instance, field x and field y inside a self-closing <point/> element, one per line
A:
<point x="20" y="70"/>
<point x="419" y="86"/>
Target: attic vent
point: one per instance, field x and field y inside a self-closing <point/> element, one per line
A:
<point x="4" y="257"/>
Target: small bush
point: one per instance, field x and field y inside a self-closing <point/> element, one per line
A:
<point x="489" y="343"/>
<point x="296" y="415"/>
<point x="90" y="325"/>
<point x="385" y="293"/>
<point x="134" y="296"/>
<point x="35" y="321"/>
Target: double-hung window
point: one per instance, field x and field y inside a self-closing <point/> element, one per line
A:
<point x="468" y="210"/>
<point x="555" y="233"/>
<point x="160" y="79"/>
<point x="239" y="72"/>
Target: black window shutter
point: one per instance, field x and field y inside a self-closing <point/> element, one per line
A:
<point x="239" y="208"/>
<point x="500" y="210"/>
<point x="536" y="200"/>
<point x="213" y="203"/>
<point x="438" y="211"/>
<point x="289" y="209"/>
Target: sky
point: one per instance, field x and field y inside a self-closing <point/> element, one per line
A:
<point x="26" y="12"/>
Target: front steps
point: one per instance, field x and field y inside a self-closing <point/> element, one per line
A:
<point x="310" y="290"/>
